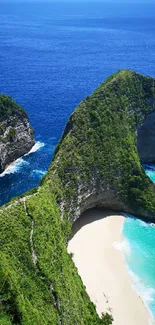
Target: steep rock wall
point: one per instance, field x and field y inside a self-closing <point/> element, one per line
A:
<point x="96" y="162"/>
<point x="146" y="140"/>
<point x="16" y="133"/>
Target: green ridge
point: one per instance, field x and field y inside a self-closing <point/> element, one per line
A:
<point x="50" y="292"/>
<point x="39" y="282"/>
<point x="8" y="108"/>
<point x="100" y="143"/>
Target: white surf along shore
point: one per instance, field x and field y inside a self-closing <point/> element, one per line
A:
<point x="95" y="245"/>
<point x="16" y="165"/>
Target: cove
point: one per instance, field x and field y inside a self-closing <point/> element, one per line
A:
<point x="140" y="258"/>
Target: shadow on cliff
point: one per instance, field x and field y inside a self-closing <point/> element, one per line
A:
<point x="90" y="216"/>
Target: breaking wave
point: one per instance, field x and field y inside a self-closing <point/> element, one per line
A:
<point x="14" y="167"/>
<point x="123" y="247"/>
<point x="37" y="146"/>
<point x="145" y="292"/>
<point x="38" y="172"/>
<point x="18" y="164"/>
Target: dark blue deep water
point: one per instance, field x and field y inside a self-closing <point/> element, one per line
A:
<point x="54" y="54"/>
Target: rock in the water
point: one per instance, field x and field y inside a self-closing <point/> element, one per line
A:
<point x="96" y="162"/>
<point x="16" y="133"/>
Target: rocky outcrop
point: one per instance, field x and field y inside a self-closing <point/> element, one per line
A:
<point x="96" y="162"/>
<point x="146" y="140"/>
<point x="16" y="133"/>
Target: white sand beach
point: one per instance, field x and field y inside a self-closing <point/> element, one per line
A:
<point x="102" y="267"/>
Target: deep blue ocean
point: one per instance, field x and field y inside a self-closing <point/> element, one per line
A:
<point x="52" y="55"/>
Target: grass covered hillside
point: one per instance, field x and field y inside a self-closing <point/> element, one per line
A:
<point x="9" y="109"/>
<point x="96" y="163"/>
<point x="39" y="283"/>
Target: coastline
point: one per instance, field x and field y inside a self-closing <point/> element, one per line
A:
<point x="15" y="165"/>
<point x="95" y="244"/>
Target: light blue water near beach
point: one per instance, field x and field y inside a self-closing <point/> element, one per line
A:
<point x="139" y="251"/>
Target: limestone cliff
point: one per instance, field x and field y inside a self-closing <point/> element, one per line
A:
<point x="16" y="134"/>
<point x="146" y="140"/>
<point x="96" y="162"/>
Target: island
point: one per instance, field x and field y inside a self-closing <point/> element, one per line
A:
<point x="97" y="163"/>
<point x="16" y="133"/>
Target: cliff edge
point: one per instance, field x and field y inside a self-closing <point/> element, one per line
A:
<point x="96" y="163"/>
<point x="16" y="134"/>
<point x="98" y="160"/>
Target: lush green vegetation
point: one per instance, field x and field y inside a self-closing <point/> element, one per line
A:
<point x="100" y="143"/>
<point x="8" y="108"/>
<point x="39" y="282"/>
<point x="50" y="291"/>
<point x="11" y="134"/>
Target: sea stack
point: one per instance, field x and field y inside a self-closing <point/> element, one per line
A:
<point x="16" y="133"/>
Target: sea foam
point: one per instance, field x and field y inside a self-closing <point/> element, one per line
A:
<point x="18" y="164"/>
<point x="38" y="172"/>
<point x="144" y="224"/>
<point x="145" y="292"/>
<point x="140" y="263"/>
<point x="14" y="167"/>
<point x="38" y="145"/>
<point x="123" y="247"/>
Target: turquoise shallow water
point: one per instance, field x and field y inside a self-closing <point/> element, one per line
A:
<point x="150" y="171"/>
<point x="139" y="250"/>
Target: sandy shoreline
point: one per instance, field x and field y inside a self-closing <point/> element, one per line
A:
<point x="102" y="267"/>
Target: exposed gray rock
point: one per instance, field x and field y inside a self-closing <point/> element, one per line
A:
<point x="16" y="133"/>
<point x="96" y="162"/>
<point x="146" y="140"/>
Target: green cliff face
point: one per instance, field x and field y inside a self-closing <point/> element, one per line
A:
<point x="96" y="163"/>
<point x="8" y="108"/>
<point x="16" y="134"/>
<point x="38" y="280"/>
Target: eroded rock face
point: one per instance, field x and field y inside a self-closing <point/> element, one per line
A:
<point x="16" y="133"/>
<point x="146" y="140"/>
<point x="96" y="162"/>
<point x="91" y="199"/>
